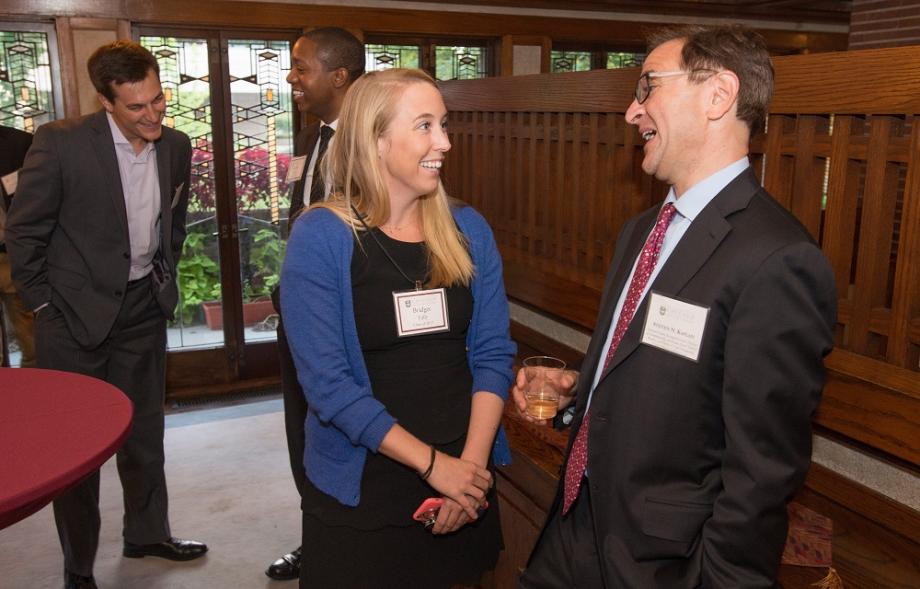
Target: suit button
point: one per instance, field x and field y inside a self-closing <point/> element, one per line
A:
<point x="126" y="255"/>
<point x="118" y="293"/>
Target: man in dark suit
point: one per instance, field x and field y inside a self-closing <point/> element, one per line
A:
<point x="324" y="63"/>
<point x="94" y="236"/>
<point x="13" y="147"/>
<point x="692" y="420"/>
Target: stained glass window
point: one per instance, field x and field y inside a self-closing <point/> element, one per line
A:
<point x="26" y="96"/>
<point x="382" y="57"/>
<point x="461" y="63"/>
<point x="185" y="78"/>
<point x="617" y="59"/>
<point x="570" y="61"/>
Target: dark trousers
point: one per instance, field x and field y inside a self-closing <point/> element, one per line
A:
<point x="566" y="553"/>
<point x="295" y="409"/>
<point x="133" y="359"/>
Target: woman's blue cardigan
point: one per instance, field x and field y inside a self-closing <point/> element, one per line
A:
<point x="344" y="420"/>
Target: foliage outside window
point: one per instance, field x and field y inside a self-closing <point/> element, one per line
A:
<point x="26" y="95"/>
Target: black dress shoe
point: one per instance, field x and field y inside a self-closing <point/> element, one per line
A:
<point x="287" y="567"/>
<point x="73" y="581"/>
<point x="172" y="549"/>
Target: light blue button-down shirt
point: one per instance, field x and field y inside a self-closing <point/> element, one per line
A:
<point x="688" y="207"/>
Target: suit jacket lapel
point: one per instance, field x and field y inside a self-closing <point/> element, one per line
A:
<point x="104" y="145"/>
<point x="164" y="173"/>
<point x="703" y="236"/>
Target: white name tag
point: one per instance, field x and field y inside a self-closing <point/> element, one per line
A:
<point x="421" y="311"/>
<point x="10" y="181"/>
<point x="295" y="168"/>
<point x="674" y="326"/>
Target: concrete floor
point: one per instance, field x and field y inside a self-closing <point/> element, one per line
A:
<point x="229" y="486"/>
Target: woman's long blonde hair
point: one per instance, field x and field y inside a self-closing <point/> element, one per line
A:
<point x="352" y="165"/>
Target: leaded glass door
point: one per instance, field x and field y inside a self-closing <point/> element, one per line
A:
<point x="229" y="95"/>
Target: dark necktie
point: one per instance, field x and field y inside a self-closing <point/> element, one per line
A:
<point x="318" y="188"/>
<point x="578" y="457"/>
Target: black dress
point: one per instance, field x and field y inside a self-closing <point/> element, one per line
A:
<point x="425" y="383"/>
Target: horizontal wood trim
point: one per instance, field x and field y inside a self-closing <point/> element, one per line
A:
<point x="882" y="418"/>
<point x="224" y="388"/>
<point x="886" y="82"/>
<point x="880" y="509"/>
<point x="592" y="91"/>
<point x="874" y="371"/>
<point x="569" y="300"/>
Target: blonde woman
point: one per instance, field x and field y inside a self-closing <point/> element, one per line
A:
<point x="399" y="331"/>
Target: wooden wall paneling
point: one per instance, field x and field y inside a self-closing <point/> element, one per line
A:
<point x="808" y="174"/>
<point x="67" y="60"/>
<point x="528" y="240"/>
<point x="777" y="177"/>
<point x="506" y="50"/>
<point x="905" y="304"/>
<point x="573" y="202"/>
<point x="590" y="217"/>
<point x="508" y="175"/>
<point x="520" y="181"/>
<point x="840" y="210"/>
<point x="874" y="240"/>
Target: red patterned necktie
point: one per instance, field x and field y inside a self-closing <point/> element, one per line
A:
<point x="578" y="457"/>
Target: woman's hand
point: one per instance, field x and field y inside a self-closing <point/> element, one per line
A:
<point x="460" y="480"/>
<point x="451" y="518"/>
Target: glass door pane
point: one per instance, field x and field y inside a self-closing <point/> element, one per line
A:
<point x="263" y="143"/>
<point x="185" y="77"/>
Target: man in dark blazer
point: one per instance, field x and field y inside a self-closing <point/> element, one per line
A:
<point x="692" y="434"/>
<point x="324" y="64"/>
<point x="13" y="147"/>
<point x="94" y="236"/>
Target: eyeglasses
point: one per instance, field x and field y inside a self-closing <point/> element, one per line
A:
<point x="644" y="85"/>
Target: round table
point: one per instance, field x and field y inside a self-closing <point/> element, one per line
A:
<point x="55" y="428"/>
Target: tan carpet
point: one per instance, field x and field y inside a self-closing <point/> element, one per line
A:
<point x="229" y="486"/>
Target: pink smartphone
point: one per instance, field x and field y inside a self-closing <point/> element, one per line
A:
<point x="427" y="512"/>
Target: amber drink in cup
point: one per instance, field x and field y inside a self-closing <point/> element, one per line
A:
<point x="543" y="377"/>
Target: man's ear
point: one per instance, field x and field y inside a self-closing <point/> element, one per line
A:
<point x="105" y="102"/>
<point x="725" y="85"/>
<point x="340" y="77"/>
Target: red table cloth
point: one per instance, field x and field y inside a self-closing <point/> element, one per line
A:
<point x="55" y="428"/>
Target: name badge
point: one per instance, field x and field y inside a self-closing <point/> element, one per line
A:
<point x="421" y="311"/>
<point x="295" y="168"/>
<point x="674" y="326"/>
<point x="10" y="181"/>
